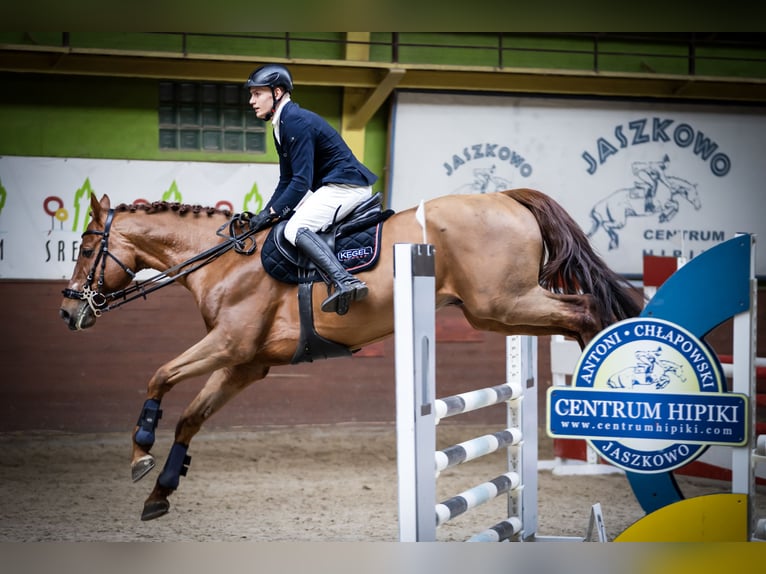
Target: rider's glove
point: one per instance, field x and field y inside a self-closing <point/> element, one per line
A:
<point x="261" y="220"/>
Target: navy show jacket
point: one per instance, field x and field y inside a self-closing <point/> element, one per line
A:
<point x="312" y="154"/>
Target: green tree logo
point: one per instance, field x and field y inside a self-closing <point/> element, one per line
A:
<point x="253" y="200"/>
<point x="172" y="194"/>
<point x="3" y="195"/>
<point x="81" y="205"/>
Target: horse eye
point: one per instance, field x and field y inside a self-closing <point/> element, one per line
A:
<point x="87" y="252"/>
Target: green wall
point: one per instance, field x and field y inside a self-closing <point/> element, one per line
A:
<point x="116" y="118"/>
<point x="78" y="117"/>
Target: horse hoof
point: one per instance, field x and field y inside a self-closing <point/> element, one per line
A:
<point x="155" y="509"/>
<point x="141" y="467"/>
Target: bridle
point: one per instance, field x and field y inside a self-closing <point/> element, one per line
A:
<point x="96" y="299"/>
<point x="99" y="301"/>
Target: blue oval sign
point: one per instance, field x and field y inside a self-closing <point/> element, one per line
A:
<point x="655" y="357"/>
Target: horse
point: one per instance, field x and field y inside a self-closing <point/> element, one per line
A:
<point x="612" y="212"/>
<point x="514" y="262"/>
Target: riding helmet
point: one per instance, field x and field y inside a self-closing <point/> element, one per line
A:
<point x="271" y="75"/>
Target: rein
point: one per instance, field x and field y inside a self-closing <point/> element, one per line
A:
<point x="99" y="302"/>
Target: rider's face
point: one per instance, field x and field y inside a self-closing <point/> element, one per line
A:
<point x="261" y="100"/>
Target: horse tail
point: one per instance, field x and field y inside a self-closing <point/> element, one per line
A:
<point x="571" y="266"/>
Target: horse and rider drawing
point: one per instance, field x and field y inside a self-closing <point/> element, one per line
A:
<point x="649" y="370"/>
<point x="653" y="193"/>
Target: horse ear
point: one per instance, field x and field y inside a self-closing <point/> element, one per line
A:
<point x="98" y="207"/>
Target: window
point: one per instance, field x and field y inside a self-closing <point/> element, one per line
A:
<point x="208" y="117"/>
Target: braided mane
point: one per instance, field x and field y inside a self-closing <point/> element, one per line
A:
<point x="179" y="208"/>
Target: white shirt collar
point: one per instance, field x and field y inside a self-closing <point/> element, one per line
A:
<point x="275" y="119"/>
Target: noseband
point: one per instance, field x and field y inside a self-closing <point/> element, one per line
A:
<point x="96" y="299"/>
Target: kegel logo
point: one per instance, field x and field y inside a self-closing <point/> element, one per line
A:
<point x="352" y="254"/>
<point x="648" y="396"/>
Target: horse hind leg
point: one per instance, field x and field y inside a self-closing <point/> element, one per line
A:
<point x="614" y="383"/>
<point x="219" y="389"/>
<point x="539" y="312"/>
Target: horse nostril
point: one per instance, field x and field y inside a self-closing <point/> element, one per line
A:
<point x="64" y="314"/>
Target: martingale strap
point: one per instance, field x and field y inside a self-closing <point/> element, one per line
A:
<point x="176" y="466"/>
<point x="147" y="423"/>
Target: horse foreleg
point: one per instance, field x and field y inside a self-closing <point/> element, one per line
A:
<point x="175" y="466"/>
<point x="219" y="389"/>
<point x="596" y="222"/>
<point x="143" y="439"/>
<point x="669" y="211"/>
<point x="204" y="357"/>
<point x="614" y="237"/>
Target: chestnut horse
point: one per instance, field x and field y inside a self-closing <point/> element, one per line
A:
<point x="514" y="262"/>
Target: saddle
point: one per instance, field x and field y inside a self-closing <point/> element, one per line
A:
<point x="356" y="242"/>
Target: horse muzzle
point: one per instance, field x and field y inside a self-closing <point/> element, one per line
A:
<point x="77" y="315"/>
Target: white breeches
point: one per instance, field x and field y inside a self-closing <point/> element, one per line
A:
<point x="318" y="210"/>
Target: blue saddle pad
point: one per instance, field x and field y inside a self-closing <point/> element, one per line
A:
<point x="358" y="251"/>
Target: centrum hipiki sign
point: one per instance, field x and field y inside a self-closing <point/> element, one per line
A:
<point x="649" y="397"/>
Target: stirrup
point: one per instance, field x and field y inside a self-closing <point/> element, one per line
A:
<point x="344" y="294"/>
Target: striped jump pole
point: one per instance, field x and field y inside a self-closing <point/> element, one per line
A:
<point x="474" y="400"/>
<point x="519" y="392"/>
<point x="476" y="496"/>
<point x="475" y="448"/>
<point x="501" y="531"/>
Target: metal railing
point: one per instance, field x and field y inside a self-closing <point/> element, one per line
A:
<point x="693" y="53"/>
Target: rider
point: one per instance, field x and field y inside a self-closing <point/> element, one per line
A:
<point x="319" y="178"/>
<point x="650" y="174"/>
<point x="646" y="361"/>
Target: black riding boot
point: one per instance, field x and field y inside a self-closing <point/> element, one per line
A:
<point x="347" y="287"/>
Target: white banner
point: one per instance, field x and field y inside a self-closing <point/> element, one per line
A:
<point x="44" y="202"/>
<point x="654" y="178"/>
